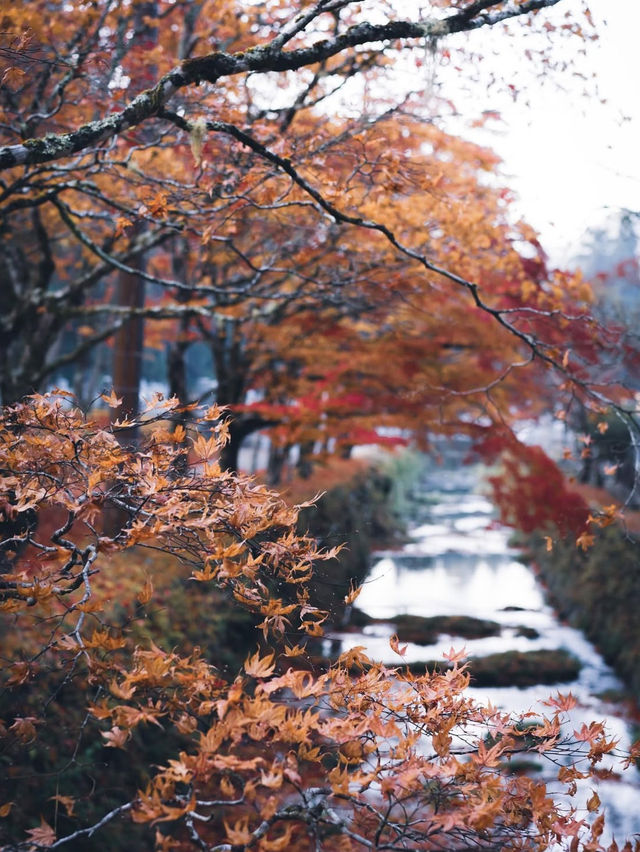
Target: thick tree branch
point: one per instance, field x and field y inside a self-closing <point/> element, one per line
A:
<point x="260" y="59"/>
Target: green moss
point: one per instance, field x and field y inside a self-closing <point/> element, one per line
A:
<point x="515" y="668"/>
<point x="425" y="631"/>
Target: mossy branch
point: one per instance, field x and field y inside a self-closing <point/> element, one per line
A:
<point x="261" y="59"/>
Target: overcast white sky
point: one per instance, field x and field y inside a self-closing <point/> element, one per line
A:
<point x="570" y="157"/>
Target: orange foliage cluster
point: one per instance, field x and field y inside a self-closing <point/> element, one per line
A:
<point x="276" y="755"/>
<point x="353" y="274"/>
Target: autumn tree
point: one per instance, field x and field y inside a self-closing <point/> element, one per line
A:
<point x="351" y="755"/>
<point x="206" y="161"/>
<point x="105" y="195"/>
<point x="254" y="212"/>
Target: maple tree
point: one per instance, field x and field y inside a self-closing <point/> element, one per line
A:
<point x="133" y="187"/>
<point x="254" y="224"/>
<point x="354" y="755"/>
<point x="271" y="227"/>
<point x="356" y="273"/>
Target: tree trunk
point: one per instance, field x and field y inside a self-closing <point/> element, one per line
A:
<point x="127" y="350"/>
<point x="277" y="460"/>
<point x="238" y="431"/>
<point x="304" y="464"/>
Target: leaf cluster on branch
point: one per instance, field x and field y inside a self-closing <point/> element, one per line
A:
<point x="278" y="754"/>
<point x="351" y="272"/>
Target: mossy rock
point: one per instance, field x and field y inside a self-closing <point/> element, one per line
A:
<point x="527" y="632"/>
<point x="425" y="630"/>
<point x="359" y="618"/>
<point x="515" y="668"/>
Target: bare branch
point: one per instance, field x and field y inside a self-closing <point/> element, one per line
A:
<point x="89" y="832"/>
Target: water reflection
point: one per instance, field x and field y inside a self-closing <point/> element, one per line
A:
<point x="451" y="583"/>
<point x="458" y="562"/>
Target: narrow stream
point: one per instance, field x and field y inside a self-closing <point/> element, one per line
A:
<point x="459" y="562"/>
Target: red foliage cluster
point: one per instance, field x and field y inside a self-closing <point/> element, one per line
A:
<point x="530" y="490"/>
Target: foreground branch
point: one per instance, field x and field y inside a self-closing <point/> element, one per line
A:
<point x="260" y="59"/>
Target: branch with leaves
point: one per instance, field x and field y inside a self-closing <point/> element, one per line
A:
<point x="263" y="58"/>
<point x="350" y="755"/>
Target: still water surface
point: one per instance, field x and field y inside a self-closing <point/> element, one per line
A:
<point x="458" y="562"/>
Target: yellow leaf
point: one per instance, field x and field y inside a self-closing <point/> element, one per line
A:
<point x="66" y="801"/>
<point x="594" y="803"/>
<point x="179" y="434"/>
<point x="240" y="833"/>
<point x="122" y="223"/>
<point x="90" y="606"/>
<point x="395" y="646"/>
<point x="121" y="691"/>
<point x="112" y="400"/>
<point x="295" y="651"/>
<point x="12" y="76"/>
<point x="585" y="541"/>
<point x="144" y="595"/>
<point x="256" y="667"/>
<point x="441" y="743"/>
<point x="271" y="779"/>
<point x="206" y="449"/>
<point x="354" y="591"/>
<point x="5" y="809"/>
<point x="227" y="787"/>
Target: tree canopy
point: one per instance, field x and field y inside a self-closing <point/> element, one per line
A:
<point x="355" y="276"/>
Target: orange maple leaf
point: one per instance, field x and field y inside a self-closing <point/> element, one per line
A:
<point x="255" y="666"/>
<point x="43" y="835"/>
<point x="144" y="595"/>
<point x="112" y="400"/>
<point x="395" y="646"/>
<point x="455" y="656"/>
<point x="585" y="540"/>
<point x="116" y="737"/>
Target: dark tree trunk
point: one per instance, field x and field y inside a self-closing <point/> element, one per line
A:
<point x="238" y="431"/>
<point x="277" y="460"/>
<point x="304" y="465"/>
<point x="127" y="351"/>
